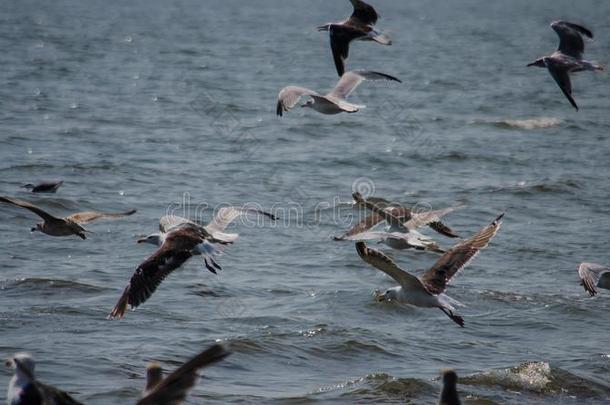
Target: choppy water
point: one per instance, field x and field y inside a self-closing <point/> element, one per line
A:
<point x="144" y="104"/>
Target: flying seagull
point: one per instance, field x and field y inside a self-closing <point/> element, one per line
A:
<point x="44" y="187"/>
<point x="177" y="247"/>
<point x="173" y="389"/>
<point x="70" y="225"/>
<point x="568" y="57"/>
<point x="223" y="217"/>
<point x="594" y="275"/>
<point x="359" y="26"/>
<point x="449" y="394"/>
<point x="428" y="291"/>
<point x="401" y="217"/>
<point x="334" y="102"/>
<point x="24" y="389"/>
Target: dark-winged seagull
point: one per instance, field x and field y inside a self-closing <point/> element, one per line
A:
<point x="334" y="102"/>
<point x="428" y="291"/>
<point x="173" y="389"/>
<point x="178" y="246"/>
<point x="449" y="394"/>
<point x="594" y="275"/>
<point x="359" y="26"/>
<point x="70" y="225"/>
<point x="568" y="57"/>
<point x="398" y="214"/>
<point x="24" y="389"/>
<point x="44" y="187"/>
<point x="223" y="217"/>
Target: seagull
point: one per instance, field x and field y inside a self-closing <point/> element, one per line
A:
<point x="177" y="247"/>
<point x="224" y="216"/>
<point x="402" y="217"/>
<point x="449" y="394"/>
<point x="568" y="57"/>
<point x="70" y="225"/>
<point x="44" y="187"/>
<point x="428" y="290"/>
<point x="358" y="27"/>
<point x="334" y="102"/>
<point x="594" y="275"/>
<point x="172" y="390"/>
<point x="24" y="389"/>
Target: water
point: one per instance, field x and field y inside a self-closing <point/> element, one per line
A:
<point x="146" y="104"/>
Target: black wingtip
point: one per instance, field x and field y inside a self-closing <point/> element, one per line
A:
<point x="279" y="109"/>
<point x="361" y="248"/>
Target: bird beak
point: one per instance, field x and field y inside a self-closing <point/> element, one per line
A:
<point x="8" y="362"/>
<point x="379" y="297"/>
<point x="142" y="240"/>
<point x="33" y="230"/>
<point x="323" y="27"/>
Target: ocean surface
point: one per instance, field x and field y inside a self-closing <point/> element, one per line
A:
<point x="169" y="106"/>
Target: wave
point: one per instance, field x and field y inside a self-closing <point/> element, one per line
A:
<point x="528" y="124"/>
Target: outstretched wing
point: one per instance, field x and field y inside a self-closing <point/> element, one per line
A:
<point x="289" y="97"/>
<point x="363" y="13"/>
<point x="225" y="215"/>
<point x="350" y="80"/>
<point x="175" y="387"/>
<point x="562" y="77"/>
<point x="437" y="277"/>
<point x="29" y="206"/>
<point x="570" y="38"/>
<point x="168" y="222"/>
<point x="380" y="261"/>
<point x="90" y="216"/>
<point x="175" y="250"/>
<point x="380" y="209"/>
<point x="362" y="226"/>
<point x="420" y="219"/>
<point x="590" y="274"/>
<point x="56" y="396"/>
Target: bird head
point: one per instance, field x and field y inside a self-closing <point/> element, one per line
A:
<point x="449" y="377"/>
<point x="537" y="63"/>
<point x="153" y="239"/>
<point x="21" y="362"/>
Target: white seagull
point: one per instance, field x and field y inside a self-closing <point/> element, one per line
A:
<point x="334" y="102"/>
<point x="209" y="248"/>
<point x="358" y="27"/>
<point x="24" y="389"/>
<point x="428" y="291"/>
<point x="568" y="57"/>
<point x="594" y="275"/>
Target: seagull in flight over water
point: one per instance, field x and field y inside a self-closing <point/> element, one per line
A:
<point x="359" y="26"/>
<point x="568" y="57"/>
<point x="594" y="275"/>
<point x="428" y="291"/>
<point x="70" y="225"/>
<point x="335" y="101"/>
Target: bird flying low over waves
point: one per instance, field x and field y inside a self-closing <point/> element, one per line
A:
<point x="44" y="187"/>
<point x="216" y="229"/>
<point x="428" y="291"/>
<point x="173" y="389"/>
<point x="359" y="26"/>
<point x="594" y="275"/>
<point x="24" y="389"/>
<point x="334" y="102"/>
<point x="70" y="225"/>
<point x="177" y="247"/>
<point x="568" y="57"/>
<point x="402" y="224"/>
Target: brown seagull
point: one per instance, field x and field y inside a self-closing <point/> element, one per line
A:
<point x="70" y="225"/>
<point x="359" y="26"/>
<point x="178" y="246"/>
<point x="173" y="389"/>
<point x="428" y="291"/>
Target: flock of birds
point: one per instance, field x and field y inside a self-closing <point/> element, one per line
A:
<point x="180" y="238"/>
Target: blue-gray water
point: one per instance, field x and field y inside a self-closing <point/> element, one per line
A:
<point x="143" y="104"/>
